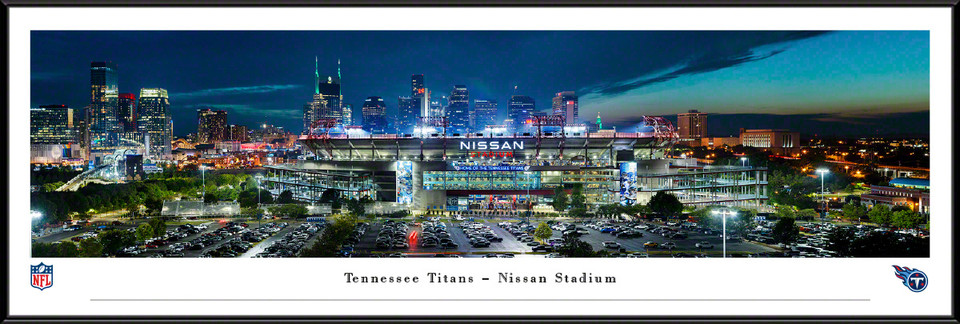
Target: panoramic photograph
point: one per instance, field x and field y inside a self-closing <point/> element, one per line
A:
<point x="480" y="144"/>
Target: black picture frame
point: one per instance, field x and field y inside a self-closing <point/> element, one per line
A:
<point x="7" y="318"/>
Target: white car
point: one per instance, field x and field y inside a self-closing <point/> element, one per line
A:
<point x="611" y="245"/>
<point x="704" y="245"/>
<point x="669" y="245"/>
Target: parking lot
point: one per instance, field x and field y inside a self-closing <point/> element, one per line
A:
<point x="485" y="237"/>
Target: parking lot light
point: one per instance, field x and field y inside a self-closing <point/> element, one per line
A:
<point x="723" y="236"/>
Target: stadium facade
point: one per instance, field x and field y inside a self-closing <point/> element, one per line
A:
<point x="432" y="169"/>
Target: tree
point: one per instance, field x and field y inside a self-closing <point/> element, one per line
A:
<point x="290" y="210"/>
<point x="854" y="211"/>
<point x="577" y="199"/>
<point x="114" y="240"/>
<point x="574" y="247"/>
<point x="665" y="204"/>
<point x="144" y="232"/>
<point x="333" y="236"/>
<point x="91" y="247"/>
<point x="67" y="249"/>
<point x="39" y="249"/>
<point x="841" y="240"/>
<point x="210" y="198"/>
<point x="265" y="197"/>
<point x="786" y="231"/>
<point x="543" y="232"/>
<point x="880" y="214"/>
<point x="356" y="207"/>
<point x="250" y="184"/>
<point x="786" y="212"/>
<point x="159" y="226"/>
<point x="286" y="197"/>
<point x="559" y="200"/>
<point x="133" y="208"/>
<point x="578" y="212"/>
<point x="906" y="219"/>
<point x="807" y="214"/>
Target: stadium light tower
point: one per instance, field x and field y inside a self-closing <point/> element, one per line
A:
<point x="723" y="216"/>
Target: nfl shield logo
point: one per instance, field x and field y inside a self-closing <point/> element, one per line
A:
<point x="41" y="276"/>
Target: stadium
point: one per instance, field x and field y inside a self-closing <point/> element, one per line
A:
<point x="494" y="170"/>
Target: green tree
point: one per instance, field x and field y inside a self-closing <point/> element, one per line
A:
<point x="577" y="212"/>
<point x="67" y="249"/>
<point x="786" y="231"/>
<point x="289" y="210"/>
<point x="575" y="248"/>
<point x="577" y="199"/>
<point x="133" y="208"/>
<point x="210" y="198"/>
<point x="665" y="204"/>
<point x="144" y="232"/>
<point x="91" y="247"/>
<point x="906" y="219"/>
<point x="332" y="238"/>
<point x="39" y="249"/>
<point x="250" y="184"/>
<point x="840" y="240"/>
<point x="854" y="211"/>
<point x="159" y="226"/>
<point x="114" y="240"/>
<point x="786" y="212"/>
<point x="559" y="200"/>
<point x="880" y="214"/>
<point x="807" y="214"/>
<point x="266" y="197"/>
<point x="356" y="207"/>
<point x="543" y="232"/>
<point x="286" y="197"/>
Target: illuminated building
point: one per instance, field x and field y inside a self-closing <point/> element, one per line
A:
<point x="102" y="124"/>
<point x="211" y="125"/>
<point x="409" y="112"/>
<point x="458" y="110"/>
<point x="566" y="104"/>
<point x="347" y="115"/>
<point x="779" y="141"/>
<point x="484" y="113"/>
<point x="692" y="127"/>
<point x="52" y="124"/>
<point x="237" y="133"/>
<point x="521" y="108"/>
<point x="127" y="112"/>
<point x="374" y="115"/>
<point x="154" y="122"/>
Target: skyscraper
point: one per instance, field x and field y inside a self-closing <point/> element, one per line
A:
<point x="103" y="125"/>
<point x="409" y="111"/>
<point x="52" y="124"/>
<point x="692" y="125"/>
<point x="521" y="108"/>
<point x="374" y="115"/>
<point x="330" y="93"/>
<point x="485" y="113"/>
<point x="211" y="125"/>
<point x="458" y="110"/>
<point x="347" y="115"/>
<point x="153" y="120"/>
<point x="416" y="85"/>
<point x="237" y="133"/>
<point x="436" y="109"/>
<point x="565" y="104"/>
<point x="127" y="112"/>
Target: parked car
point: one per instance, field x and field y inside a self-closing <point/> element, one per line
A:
<point x="704" y="245"/>
<point x="669" y="245"/>
<point x="611" y="245"/>
<point x="650" y="244"/>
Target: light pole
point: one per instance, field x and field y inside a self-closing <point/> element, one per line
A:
<point x="203" y="177"/>
<point x="723" y="219"/>
<point x="823" y="173"/>
<point x="259" y="209"/>
<point x="744" y="160"/>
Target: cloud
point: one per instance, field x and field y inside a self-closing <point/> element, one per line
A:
<point x="236" y="90"/>
<point x="703" y="63"/>
<point x="251" y="111"/>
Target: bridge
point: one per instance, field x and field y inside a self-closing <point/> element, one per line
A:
<point x="107" y="172"/>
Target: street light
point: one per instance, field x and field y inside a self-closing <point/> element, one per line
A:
<point x="723" y="216"/>
<point x="259" y="209"/>
<point x="744" y="160"/>
<point x="203" y="177"/>
<point x="823" y="173"/>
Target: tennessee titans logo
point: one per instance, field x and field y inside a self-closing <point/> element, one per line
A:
<point x="914" y="279"/>
<point x="41" y="276"/>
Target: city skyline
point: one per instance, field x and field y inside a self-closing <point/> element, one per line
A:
<point x="872" y="78"/>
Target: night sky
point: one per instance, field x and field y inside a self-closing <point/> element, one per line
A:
<point x="825" y="83"/>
